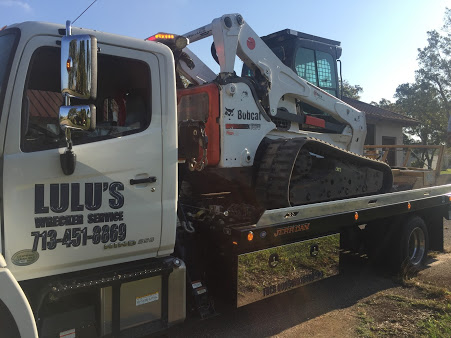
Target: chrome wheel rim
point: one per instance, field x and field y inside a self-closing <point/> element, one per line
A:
<point x="416" y="246"/>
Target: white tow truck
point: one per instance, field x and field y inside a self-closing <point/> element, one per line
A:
<point x="137" y="183"/>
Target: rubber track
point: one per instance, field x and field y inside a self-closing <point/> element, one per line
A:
<point x="276" y="167"/>
<point x="265" y="170"/>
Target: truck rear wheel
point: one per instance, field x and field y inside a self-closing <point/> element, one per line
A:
<point x="414" y="245"/>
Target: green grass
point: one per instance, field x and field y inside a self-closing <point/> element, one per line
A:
<point x="439" y="326"/>
<point x="364" y="329"/>
<point x="430" y="291"/>
<point x="445" y="172"/>
<point x="430" y="302"/>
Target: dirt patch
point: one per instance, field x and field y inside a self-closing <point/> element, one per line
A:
<point x="437" y="272"/>
<point x="405" y="311"/>
<point x="340" y="323"/>
<point x="420" y="307"/>
<point x="410" y="310"/>
<point x="438" y="269"/>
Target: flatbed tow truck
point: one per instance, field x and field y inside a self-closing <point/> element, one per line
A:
<point x="149" y="196"/>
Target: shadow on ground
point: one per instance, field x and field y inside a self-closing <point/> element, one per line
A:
<point x="358" y="280"/>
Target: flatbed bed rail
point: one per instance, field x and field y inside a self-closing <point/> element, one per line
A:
<point x="285" y="225"/>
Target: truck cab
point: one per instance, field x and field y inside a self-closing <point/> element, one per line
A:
<point x="115" y="207"/>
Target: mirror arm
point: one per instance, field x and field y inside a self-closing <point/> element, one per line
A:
<point x="68" y="28"/>
<point x="68" y="138"/>
<point x="68" y="159"/>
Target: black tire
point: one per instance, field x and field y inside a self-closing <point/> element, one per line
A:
<point x="8" y="327"/>
<point x="414" y="245"/>
<point x="376" y="240"/>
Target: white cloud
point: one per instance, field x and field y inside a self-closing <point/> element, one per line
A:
<point x="16" y="3"/>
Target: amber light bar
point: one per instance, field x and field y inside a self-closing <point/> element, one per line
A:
<point x="161" y="36"/>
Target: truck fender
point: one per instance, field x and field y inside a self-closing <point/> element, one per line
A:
<point x="14" y="303"/>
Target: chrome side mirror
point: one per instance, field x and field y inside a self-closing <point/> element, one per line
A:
<point x="79" y="66"/>
<point x="74" y="118"/>
<point x="78" y="117"/>
<point x="79" y="80"/>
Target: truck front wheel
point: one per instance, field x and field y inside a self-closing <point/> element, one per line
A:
<point x="8" y="327"/>
<point x="414" y="244"/>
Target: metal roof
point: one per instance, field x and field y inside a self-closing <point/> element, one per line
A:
<point x="374" y="113"/>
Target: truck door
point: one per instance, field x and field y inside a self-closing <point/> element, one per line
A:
<point x="100" y="214"/>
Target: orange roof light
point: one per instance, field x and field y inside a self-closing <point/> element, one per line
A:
<point x="409" y="206"/>
<point x="356" y="215"/>
<point x="161" y="36"/>
<point x="450" y="198"/>
<point x="171" y="40"/>
<point x="164" y="36"/>
<point x="235" y="243"/>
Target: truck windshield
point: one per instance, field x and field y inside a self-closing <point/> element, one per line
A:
<point x="6" y="53"/>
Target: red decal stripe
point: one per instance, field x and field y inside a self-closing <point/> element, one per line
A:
<point x="314" y="121"/>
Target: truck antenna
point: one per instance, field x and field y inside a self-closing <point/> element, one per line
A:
<point x="84" y="11"/>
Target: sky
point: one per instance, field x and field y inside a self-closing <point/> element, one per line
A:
<point x="379" y="38"/>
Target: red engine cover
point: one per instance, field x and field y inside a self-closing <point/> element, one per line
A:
<point x="201" y="103"/>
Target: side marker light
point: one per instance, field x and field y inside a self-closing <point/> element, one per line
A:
<point x="69" y="64"/>
<point x="409" y="206"/>
<point x="356" y="216"/>
<point x="250" y="236"/>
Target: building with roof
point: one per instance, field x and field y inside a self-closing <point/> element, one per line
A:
<point x="384" y="127"/>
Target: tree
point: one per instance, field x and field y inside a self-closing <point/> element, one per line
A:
<point x="351" y="91"/>
<point x="428" y="99"/>
<point x="435" y="63"/>
<point x="386" y="104"/>
<point x="419" y="101"/>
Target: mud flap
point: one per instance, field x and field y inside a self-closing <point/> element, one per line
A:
<point x="272" y="271"/>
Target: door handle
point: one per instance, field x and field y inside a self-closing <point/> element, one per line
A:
<point x="151" y="179"/>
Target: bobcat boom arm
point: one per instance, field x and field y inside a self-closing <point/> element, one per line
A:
<point x="233" y="37"/>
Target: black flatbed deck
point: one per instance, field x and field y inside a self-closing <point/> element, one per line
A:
<point x="287" y="225"/>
